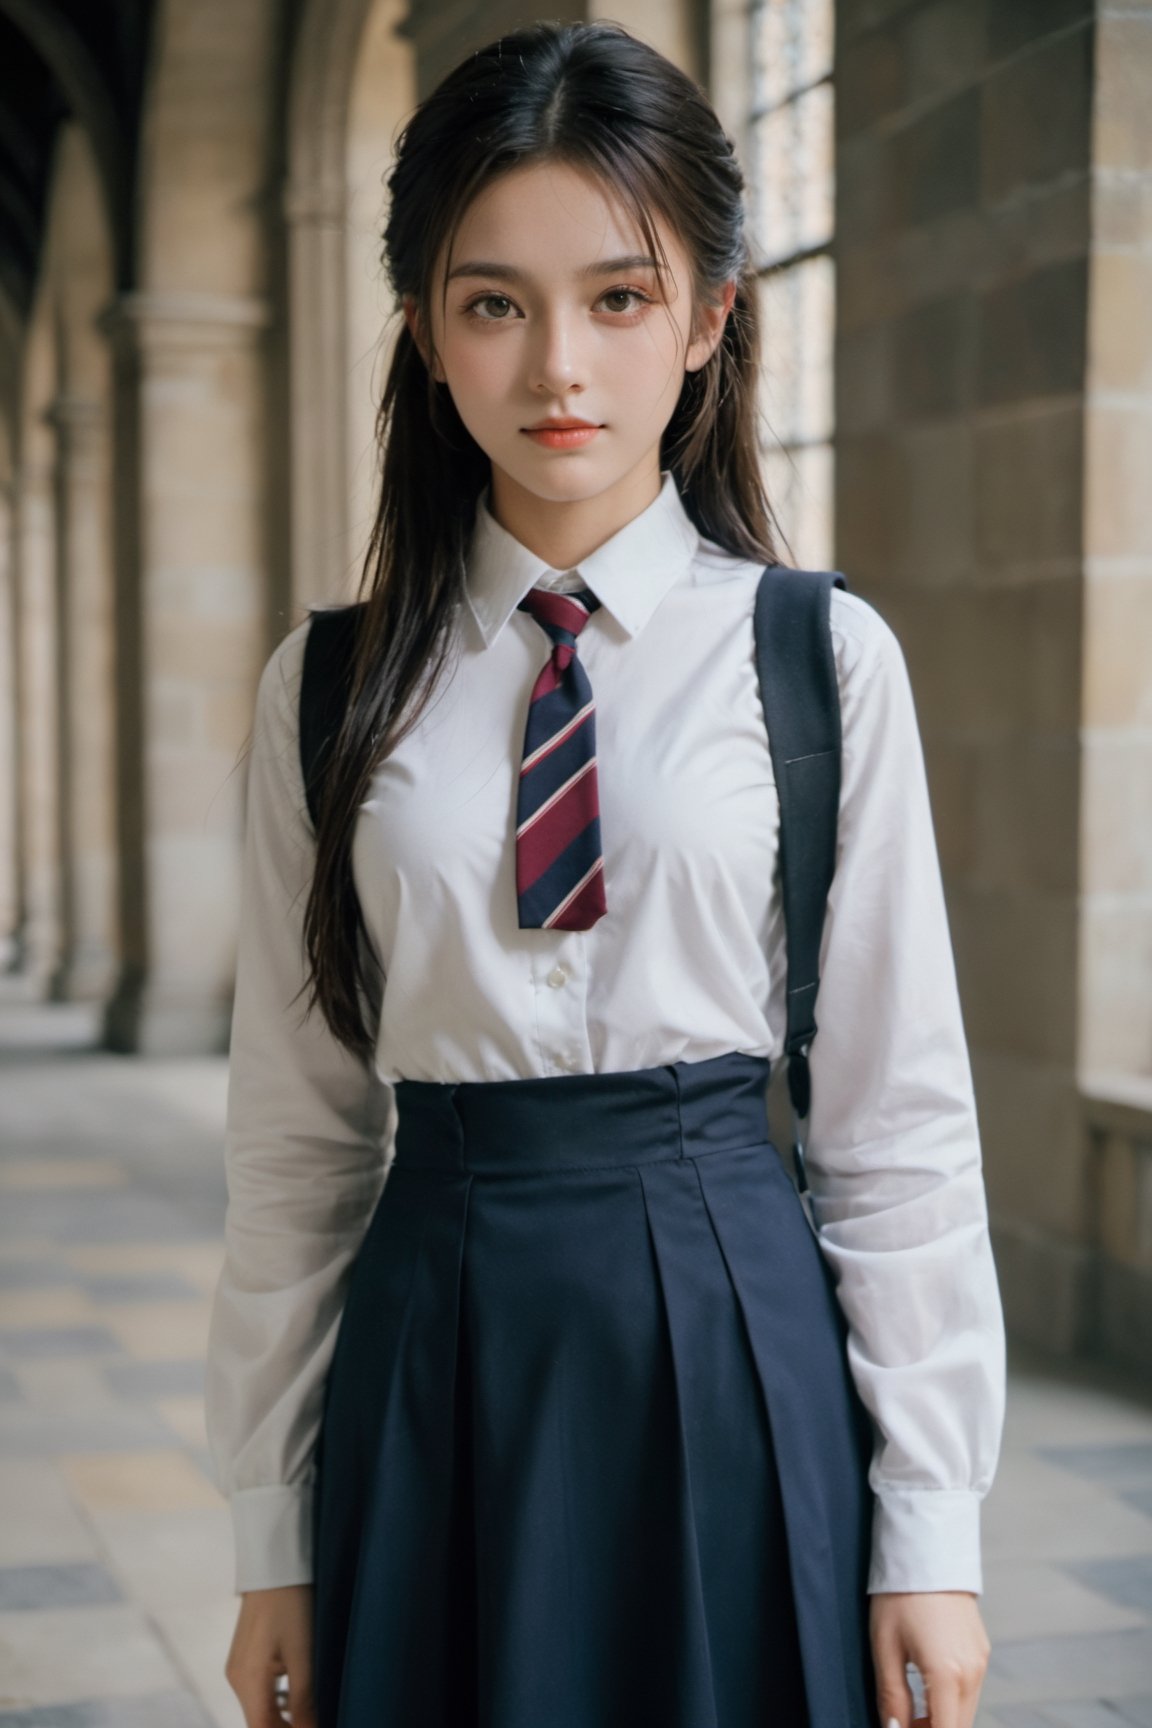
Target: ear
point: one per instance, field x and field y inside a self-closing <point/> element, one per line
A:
<point x="714" y="319"/>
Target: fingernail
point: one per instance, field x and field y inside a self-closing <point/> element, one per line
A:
<point x="892" y="1723"/>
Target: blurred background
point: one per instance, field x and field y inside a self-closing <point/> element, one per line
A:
<point x="951" y="209"/>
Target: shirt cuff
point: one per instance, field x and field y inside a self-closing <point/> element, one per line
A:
<point x="926" y="1539"/>
<point x="272" y="1528"/>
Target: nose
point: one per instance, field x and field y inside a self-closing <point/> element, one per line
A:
<point x="557" y="359"/>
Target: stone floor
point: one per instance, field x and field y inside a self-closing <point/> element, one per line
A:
<point x="116" y="1608"/>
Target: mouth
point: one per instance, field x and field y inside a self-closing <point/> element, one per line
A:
<point x="562" y="434"/>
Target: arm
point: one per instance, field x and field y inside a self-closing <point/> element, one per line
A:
<point x="305" y="1156"/>
<point x="894" y="1160"/>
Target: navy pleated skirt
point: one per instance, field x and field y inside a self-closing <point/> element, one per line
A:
<point x="591" y="1455"/>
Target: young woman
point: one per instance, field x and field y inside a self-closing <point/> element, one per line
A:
<point x="538" y="1399"/>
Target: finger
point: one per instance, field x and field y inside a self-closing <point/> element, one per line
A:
<point x="944" y="1685"/>
<point x="892" y="1693"/>
<point x="301" y="1704"/>
<point x="256" y="1692"/>
<point x="964" y="1680"/>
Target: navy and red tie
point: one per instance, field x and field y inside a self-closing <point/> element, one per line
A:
<point x="559" y="861"/>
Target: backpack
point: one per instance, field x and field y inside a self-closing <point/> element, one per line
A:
<point x="801" y="700"/>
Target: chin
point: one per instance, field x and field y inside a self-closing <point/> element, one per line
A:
<point x="563" y="479"/>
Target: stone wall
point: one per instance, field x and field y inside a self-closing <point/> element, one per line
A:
<point x="992" y="410"/>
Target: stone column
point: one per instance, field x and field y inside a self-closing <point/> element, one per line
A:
<point x="194" y="632"/>
<point x="316" y="216"/>
<point x="85" y="676"/>
<point x="11" y="897"/>
<point x="37" y="737"/>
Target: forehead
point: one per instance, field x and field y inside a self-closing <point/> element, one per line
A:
<point x="548" y="221"/>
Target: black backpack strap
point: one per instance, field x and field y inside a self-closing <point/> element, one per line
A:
<point x="801" y="697"/>
<point x="325" y="687"/>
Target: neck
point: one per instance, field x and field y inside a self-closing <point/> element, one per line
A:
<point x="564" y="531"/>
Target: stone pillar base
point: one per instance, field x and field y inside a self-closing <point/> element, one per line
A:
<point x="151" y="1021"/>
<point x="89" y="975"/>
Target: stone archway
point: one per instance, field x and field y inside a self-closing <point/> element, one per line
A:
<point x="352" y="83"/>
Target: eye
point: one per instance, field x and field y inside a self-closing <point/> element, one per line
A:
<point x="503" y="301"/>
<point x="480" y="300"/>
<point x="627" y="294"/>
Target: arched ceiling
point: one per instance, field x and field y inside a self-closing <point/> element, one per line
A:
<point x="60" y="58"/>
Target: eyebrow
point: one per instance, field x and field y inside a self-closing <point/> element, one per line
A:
<point x="509" y="273"/>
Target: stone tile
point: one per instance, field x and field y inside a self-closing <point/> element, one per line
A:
<point x="78" y="1584"/>
<point x="1047" y="1670"/>
<point x="26" y="1250"/>
<point x="39" y="1522"/>
<point x="137" y="1286"/>
<point x="199" y="1638"/>
<point x="47" y="1306"/>
<point x="111" y="1652"/>
<point x="137" y="1481"/>
<point x="185" y="1416"/>
<point x="59" y="1341"/>
<point x="36" y="1434"/>
<point x="174" y="1560"/>
<point x="34" y="1274"/>
<point x="1127" y="1466"/>
<point x="1127" y="1580"/>
<point x="40" y="1173"/>
<point x="156" y="1379"/>
<point x="1023" y="1599"/>
<point x="1092" y="1713"/>
<point x="1021" y="1524"/>
<point x="118" y="1216"/>
<point x="66" y="1386"/>
<point x="159" y="1710"/>
<point x="162" y="1331"/>
<point x="198" y="1261"/>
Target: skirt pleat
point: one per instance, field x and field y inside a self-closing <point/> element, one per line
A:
<point x="590" y="1453"/>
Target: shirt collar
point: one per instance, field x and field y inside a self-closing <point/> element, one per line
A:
<point x="630" y="573"/>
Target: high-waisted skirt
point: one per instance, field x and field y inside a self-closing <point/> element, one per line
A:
<point x="591" y="1455"/>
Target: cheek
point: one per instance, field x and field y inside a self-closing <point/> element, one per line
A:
<point x="650" y="368"/>
<point x="478" y="370"/>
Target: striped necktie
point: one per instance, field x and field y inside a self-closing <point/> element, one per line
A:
<point x="559" y="863"/>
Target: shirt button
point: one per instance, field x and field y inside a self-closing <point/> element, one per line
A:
<point x="557" y="976"/>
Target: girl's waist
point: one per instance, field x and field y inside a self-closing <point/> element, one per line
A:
<point x="679" y="1109"/>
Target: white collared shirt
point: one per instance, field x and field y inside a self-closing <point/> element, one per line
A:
<point x="687" y="963"/>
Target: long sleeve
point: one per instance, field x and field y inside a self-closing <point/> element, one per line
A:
<point x="306" y="1143"/>
<point x="894" y="1159"/>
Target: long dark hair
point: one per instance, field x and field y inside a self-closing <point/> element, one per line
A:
<point x="590" y="96"/>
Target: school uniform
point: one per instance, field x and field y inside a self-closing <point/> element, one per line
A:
<point x="524" y="1350"/>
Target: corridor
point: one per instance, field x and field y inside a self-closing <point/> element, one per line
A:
<point x="116" y="1607"/>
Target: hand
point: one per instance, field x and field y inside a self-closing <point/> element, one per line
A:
<point x="273" y="1636"/>
<point x="942" y="1632"/>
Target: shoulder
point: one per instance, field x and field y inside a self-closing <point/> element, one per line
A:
<point x="863" y="642"/>
<point x="278" y="689"/>
<point x="332" y="629"/>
